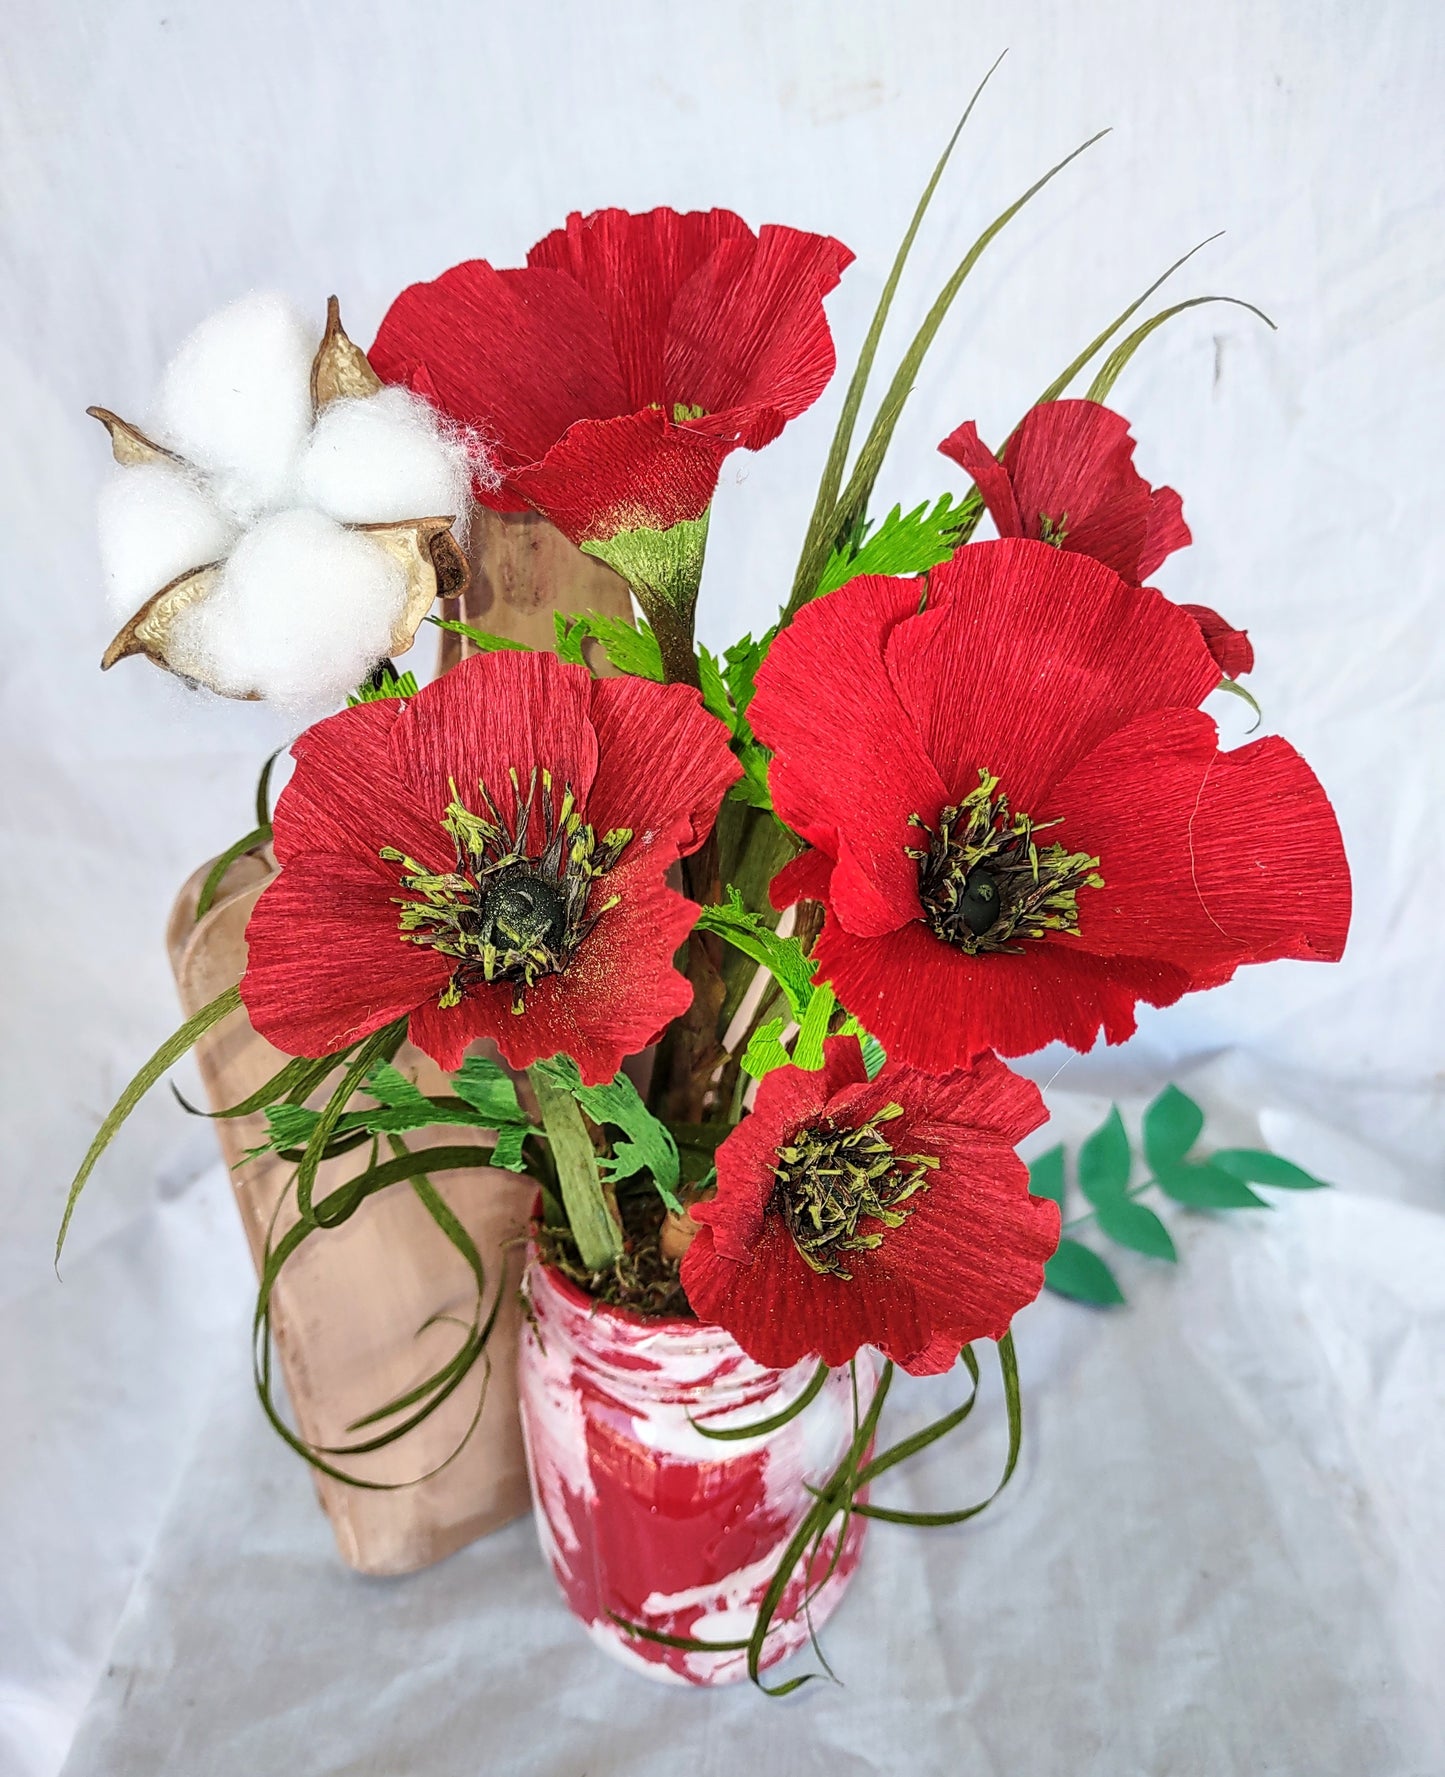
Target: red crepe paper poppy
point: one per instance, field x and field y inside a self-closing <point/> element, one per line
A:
<point x="1067" y="477"/>
<point x="614" y="372"/>
<point x="1232" y="649"/>
<point x="1022" y="823"/>
<point x="487" y="859"/>
<point x="893" y="1213"/>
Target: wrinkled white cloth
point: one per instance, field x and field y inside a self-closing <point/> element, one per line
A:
<point x="1223" y="1552"/>
<point x="1218" y="1559"/>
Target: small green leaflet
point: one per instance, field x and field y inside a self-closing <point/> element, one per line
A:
<point x="1172" y="1125"/>
<point x="765" y="1051"/>
<point x="1258" y="1168"/>
<point x="631" y="649"/>
<point x="481" y="638"/>
<point x="1104" y="1161"/>
<point x="905" y="543"/>
<point x="1077" y="1272"/>
<point x="488" y="1101"/>
<point x="389" y="684"/>
<point x="1136" y="1226"/>
<point x="727" y="691"/>
<point x="750" y="933"/>
<point x="646" y="1147"/>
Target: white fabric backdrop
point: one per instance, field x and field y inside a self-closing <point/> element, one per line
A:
<point x="159" y="156"/>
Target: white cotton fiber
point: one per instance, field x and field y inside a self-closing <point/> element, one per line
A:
<point x="303" y="612"/>
<point x="384" y="458"/>
<point x="155" y="523"/>
<point x="236" y="400"/>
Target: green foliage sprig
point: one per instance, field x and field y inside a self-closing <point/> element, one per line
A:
<point x="1172" y="1126"/>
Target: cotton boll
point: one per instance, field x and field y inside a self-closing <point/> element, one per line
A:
<point x="384" y="458"/>
<point x="303" y="612"/>
<point x="155" y="523"/>
<point x="236" y="400"/>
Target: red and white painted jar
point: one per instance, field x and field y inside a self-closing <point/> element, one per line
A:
<point x="644" y="1518"/>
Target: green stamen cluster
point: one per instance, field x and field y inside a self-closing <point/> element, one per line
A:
<point x="983" y="881"/>
<point x="1053" y="530"/>
<point x="831" y="1179"/>
<point x="503" y="914"/>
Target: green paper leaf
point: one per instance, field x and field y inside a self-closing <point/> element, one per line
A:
<point x="1137" y="1227"/>
<point x="1172" y="1124"/>
<point x="750" y="933"/>
<point x="905" y="543"/>
<point x="1077" y="1272"/>
<point x="481" y="638"/>
<point x="488" y="1088"/>
<point x="765" y="1051"/>
<point x="632" y="649"/>
<point x="1104" y="1161"/>
<point x="1255" y="1167"/>
<point x="808" y="1044"/>
<point x="507" y="1153"/>
<point x="715" y="697"/>
<point x="1046" y="1175"/>
<point x="1205" y="1186"/>
<point x="385" y="685"/>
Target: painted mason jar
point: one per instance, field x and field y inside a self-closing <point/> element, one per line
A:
<point x="645" y="1519"/>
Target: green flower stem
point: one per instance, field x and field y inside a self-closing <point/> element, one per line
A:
<point x="1088" y="1216"/>
<point x="664" y="571"/>
<point x="591" y="1209"/>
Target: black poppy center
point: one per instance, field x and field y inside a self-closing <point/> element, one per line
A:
<point x="985" y="881"/>
<point x="840" y="1190"/>
<point x="519" y="902"/>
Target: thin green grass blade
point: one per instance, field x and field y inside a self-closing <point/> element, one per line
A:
<point x="870" y="460"/>
<point x="1013" y="1402"/>
<point x="1100" y="340"/>
<point x="1235" y="689"/>
<point x="930" y="1434"/>
<point x="263" y="789"/>
<point x="381" y="1045"/>
<point x="216" y="875"/>
<point x="1109" y="370"/>
<point x="760" y="1428"/>
<point x="169" y="1053"/>
<point x="817" y="543"/>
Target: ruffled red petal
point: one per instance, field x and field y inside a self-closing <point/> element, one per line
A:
<point x="806" y="878"/>
<point x="993" y="481"/>
<point x="936" y="1008"/>
<point x="1068" y="471"/>
<point x="1071" y="653"/>
<point x="326" y="965"/>
<point x="968" y="1255"/>
<point x="518" y="355"/>
<point x="1232" y="649"/>
<point x="664" y="763"/>
<point x="489" y="717"/>
<point x="637" y="472"/>
<point x="612" y="1000"/>
<point x="849" y="768"/>
<point x="320" y="809"/>
<point x="1209" y="859"/>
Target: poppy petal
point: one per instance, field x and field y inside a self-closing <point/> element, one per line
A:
<point x="989" y="476"/>
<point x="326" y="963"/>
<point x="664" y="762"/>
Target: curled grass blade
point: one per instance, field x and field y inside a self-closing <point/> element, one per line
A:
<point x="818" y="542"/>
<point x="1110" y="369"/>
<point x="216" y="875"/>
<point x="1008" y="1367"/>
<point x="176" y="1045"/>
<point x="870" y="460"/>
<point x="381" y="1045"/>
<point x="762" y="1427"/>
